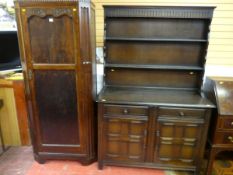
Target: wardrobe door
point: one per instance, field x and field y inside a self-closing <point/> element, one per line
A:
<point x="52" y="58"/>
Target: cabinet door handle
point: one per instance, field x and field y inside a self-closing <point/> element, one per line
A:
<point x="166" y="143"/>
<point x="230" y="138"/>
<point x="186" y="160"/>
<point x="135" y="136"/>
<point x="168" y="124"/>
<point x="189" y="139"/>
<point x="166" y="138"/>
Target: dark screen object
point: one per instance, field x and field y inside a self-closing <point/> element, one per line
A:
<point x="9" y="50"/>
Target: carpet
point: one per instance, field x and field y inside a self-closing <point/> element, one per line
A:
<point x="75" y="168"/>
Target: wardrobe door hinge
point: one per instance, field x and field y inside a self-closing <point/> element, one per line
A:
<point x="30" y="74"/>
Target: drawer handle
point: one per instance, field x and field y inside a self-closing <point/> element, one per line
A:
<point x="230" y="138"/>
<point x="125" y="111"/>
<point x="231" y="123"/>
<point x="181" y="114"/>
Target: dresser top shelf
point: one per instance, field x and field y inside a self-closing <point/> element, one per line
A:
<point x="154" y="96"/>
<point x="159" y="11"/>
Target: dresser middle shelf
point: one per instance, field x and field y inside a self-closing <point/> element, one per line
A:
<point x="154" y="96"/>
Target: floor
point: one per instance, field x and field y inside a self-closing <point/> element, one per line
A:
<point x="19" y="161"/>
<point x="16" y="161"/>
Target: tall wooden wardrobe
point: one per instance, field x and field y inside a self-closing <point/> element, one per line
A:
<point x="57" y="45"/>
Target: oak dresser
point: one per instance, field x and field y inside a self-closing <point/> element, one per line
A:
<point x="151" y="110"/>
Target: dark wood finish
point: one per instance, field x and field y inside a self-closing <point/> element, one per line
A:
<point x="154" y="96"/>
<point x="178" y="140"/>
<point x="63" y="51"/>
<point x="125" y="110"/>
<point x="176" y="12"/>
<point x="149" y="66"/>
<point x="158" y="28"/>
<point x="220" y="90"/>
<point x="160" y="53"/>
<point x="57" y="53"/>
<point x="22" y="114"/>
<point x="125" y="138"/>
<point x="152" y="78"/>
<point x="151" y="109"/>
<point x="62" y="108"/>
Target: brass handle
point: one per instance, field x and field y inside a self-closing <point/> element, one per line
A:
<point x="231" y="123"/>
<point x="125" y="111"/>
<point x="230" y="138"/>
<point x="86" y="62"/>
<point x="181" y="114"/>
<point x="30" y="74"/>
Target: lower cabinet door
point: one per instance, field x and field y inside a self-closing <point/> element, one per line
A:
<point x="178" y="142"/>
<point x="125" y="138"/>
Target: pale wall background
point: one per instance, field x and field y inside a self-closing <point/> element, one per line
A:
<point x="220" y="52"/>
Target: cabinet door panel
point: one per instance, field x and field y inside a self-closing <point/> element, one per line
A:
<point x="125" y="139"/>
<point x="113" y="147"/>
<point x="51" y="39"/>
<point x="113" y="126"/>
<point x="191" y="131"/>
<point x="187" y="152"/>
<point x="56" y="102"/>
<point x="137" y="128"/>
<point x="177" y="142"/>
<point x="179" y="130"/>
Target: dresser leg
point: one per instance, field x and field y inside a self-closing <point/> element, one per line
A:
<point x="86" y="162"/>
<point x="197" y="172"/>
<point x="211" y="161"/>
<point x="100" y="165"/>
<point x="39" y="159"/>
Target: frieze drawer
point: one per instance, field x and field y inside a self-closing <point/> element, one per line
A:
<point x="181" y="112"/>
<point x="224" y="138"/>
<point x="227" y="123"/>
<point x="125" y="110"/>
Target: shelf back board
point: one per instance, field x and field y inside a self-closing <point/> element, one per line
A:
<point x="171" y="53"/>
<point x="152" y="78"/>
<point x="157" y="28"/>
